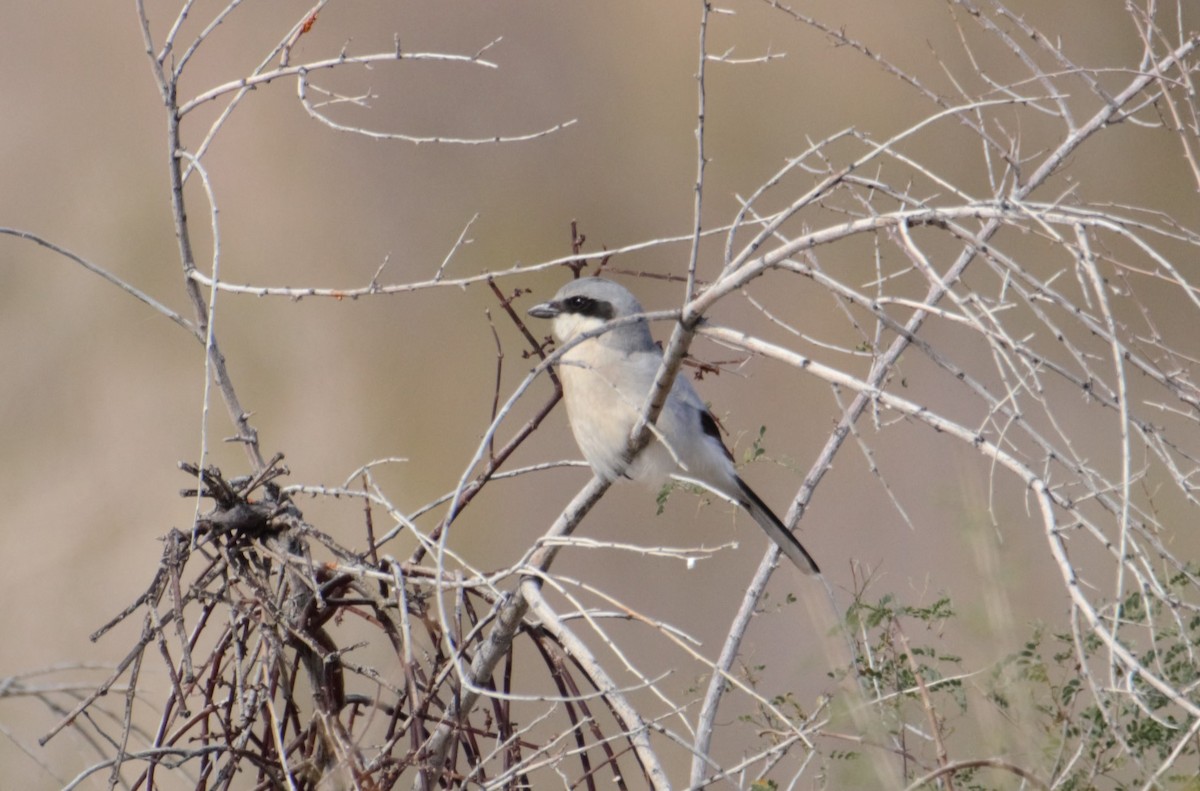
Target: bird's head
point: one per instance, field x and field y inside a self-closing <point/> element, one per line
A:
<point x="588" y="303"/>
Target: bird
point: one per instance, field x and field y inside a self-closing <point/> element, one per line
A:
<point x="606" y="379"/>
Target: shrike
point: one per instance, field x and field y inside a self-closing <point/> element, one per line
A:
<point x="606" y="380"/>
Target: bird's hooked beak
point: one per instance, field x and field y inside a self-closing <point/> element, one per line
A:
<point x="545" y="310"/>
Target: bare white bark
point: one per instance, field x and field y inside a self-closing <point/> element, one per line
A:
<point x="1048" y="331"/>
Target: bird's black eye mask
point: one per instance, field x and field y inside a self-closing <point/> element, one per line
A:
<point x="586" y="306"/>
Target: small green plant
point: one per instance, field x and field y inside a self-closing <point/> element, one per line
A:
<point x="1097" y="734"/>
<point x="757" y="448"/>
<point x="1069" y="720"/>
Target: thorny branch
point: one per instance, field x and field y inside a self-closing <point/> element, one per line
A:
<point x="291" y="659"/>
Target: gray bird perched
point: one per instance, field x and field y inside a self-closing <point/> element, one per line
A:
<point x="606" y="380"/>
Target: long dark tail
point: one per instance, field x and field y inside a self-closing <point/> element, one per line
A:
<point x="775" y="529"/>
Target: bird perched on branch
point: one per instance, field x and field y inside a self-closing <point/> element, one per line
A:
<point x="606" y="379"/>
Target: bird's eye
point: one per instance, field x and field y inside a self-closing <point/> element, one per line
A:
<point x="579" y="304"/>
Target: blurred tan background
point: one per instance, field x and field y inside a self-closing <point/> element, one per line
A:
<point x="100" y="397"/>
